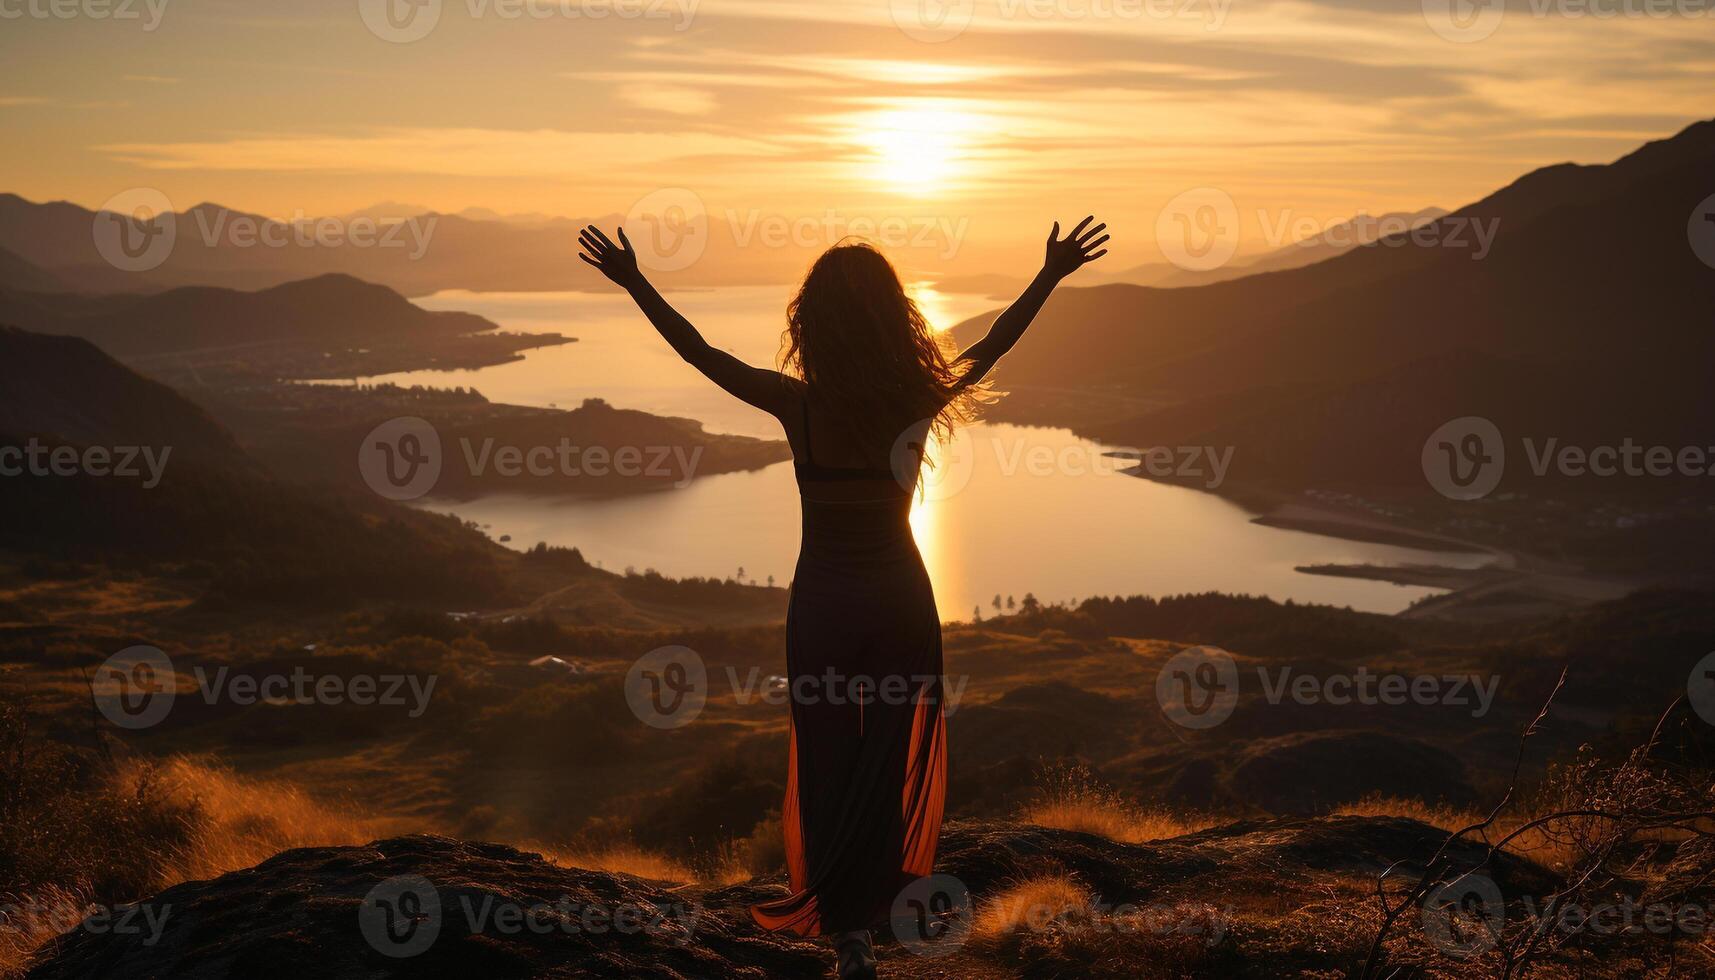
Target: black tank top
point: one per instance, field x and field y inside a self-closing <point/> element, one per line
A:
<point x="808" y="470"/>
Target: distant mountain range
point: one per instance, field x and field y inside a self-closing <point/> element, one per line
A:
<point x="1331" y="241"/>
<point x="414" y="253"/>
<point x="1589" y="320"/>
<point x="18" y="273"/>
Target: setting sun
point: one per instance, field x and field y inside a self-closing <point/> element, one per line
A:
<point x="916" y="148"/>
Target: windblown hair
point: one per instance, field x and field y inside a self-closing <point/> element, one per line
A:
<point x="867" y="356"/>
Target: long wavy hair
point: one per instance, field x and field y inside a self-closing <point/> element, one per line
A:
<point x="867" y="356"/>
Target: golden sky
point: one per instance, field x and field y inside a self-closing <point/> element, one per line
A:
<point x="993" y="115"/>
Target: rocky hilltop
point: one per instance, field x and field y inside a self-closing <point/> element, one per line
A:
<point x="1249" y="899"/>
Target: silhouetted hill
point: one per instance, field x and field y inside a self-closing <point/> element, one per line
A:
<point x="125" y="471"/>
<point x="1334" y="240"/>
<point x="330" y="309"/>
<point x="1587" y="320"/>
<point x="66" y="388"/>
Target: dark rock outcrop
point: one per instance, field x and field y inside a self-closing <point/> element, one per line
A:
<point x="429" y="906"/>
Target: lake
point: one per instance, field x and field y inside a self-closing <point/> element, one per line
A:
<point x="1010" y="510"/>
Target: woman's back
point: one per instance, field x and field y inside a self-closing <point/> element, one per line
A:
<point x="856" y="515"/>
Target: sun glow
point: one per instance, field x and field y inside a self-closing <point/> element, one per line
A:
<point x="915" y="149"/>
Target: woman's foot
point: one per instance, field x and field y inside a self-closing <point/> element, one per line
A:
<point x="857" y="955"/>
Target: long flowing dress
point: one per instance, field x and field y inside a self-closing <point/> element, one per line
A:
<point x="866" y="781"/>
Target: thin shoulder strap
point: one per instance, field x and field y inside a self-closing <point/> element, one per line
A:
<point x="809" y="455"/>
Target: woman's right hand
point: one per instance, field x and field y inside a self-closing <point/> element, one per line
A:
<point x="617" y="262"/>
<point x="1067" y="255"/>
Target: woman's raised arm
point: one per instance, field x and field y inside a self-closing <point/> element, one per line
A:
<point x="768" y="390"/>
<point x="1063" y="257"/>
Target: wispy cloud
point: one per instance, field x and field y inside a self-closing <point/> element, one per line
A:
<point x="677" y="99"/>
<point x="455" y="152"/>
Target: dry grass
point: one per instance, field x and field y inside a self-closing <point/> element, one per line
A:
<point x="1031" y="904"/>
<point x="1434" y="814"/>
<point x="246" y="821"/>
<point x="1072" y="799"/>
<point x="622" y="859"/>
<point x="215" y="821"/>
<point x="1535" y="844"/>
<point x="26" y="922"/>
<point x="1052" y="926"/>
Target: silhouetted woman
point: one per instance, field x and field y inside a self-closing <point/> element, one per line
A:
<point x="866" y="383"/>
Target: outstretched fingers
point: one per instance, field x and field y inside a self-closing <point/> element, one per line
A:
<point x="1087" y="247"/>
<point x="1084" y="240"/>
<point x="604" y="239"/>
